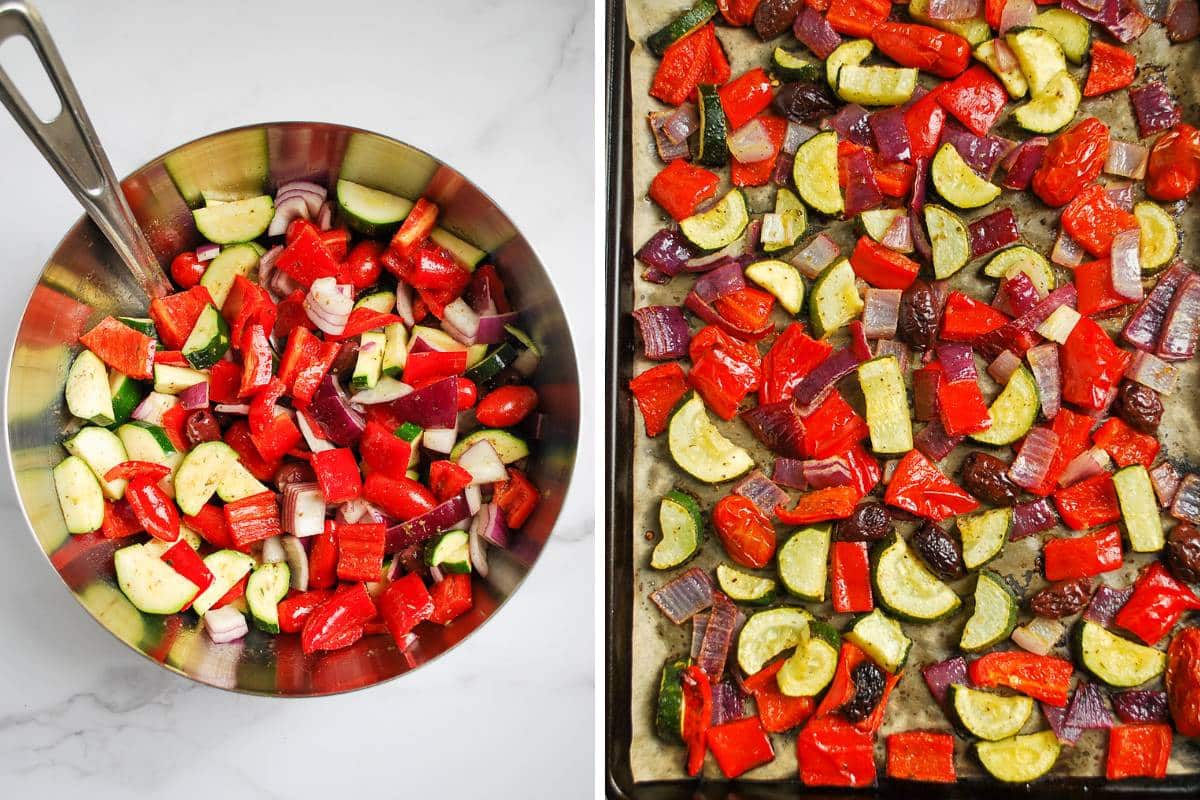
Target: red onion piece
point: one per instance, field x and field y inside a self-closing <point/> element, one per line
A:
<point x="760" y="490"/>
<point x="699" y="623"/>
<point x="1165" y="479"/>
<point x="823" y="473"/>
<point x="1032" y="464"/>
<point x="899" y="235"/>
<point x="194" y="396"/>
<point x="954" y="9"/>
<point x="225" y="624"/>
<point x="1130" y="25"/>
<point x="751" y="143"/>
<point x="815" y="33"/>
<point x="789" y="472"/>
<point x="668" y="150"/>
<point x="684" y="596"/>
<point x="240" y="409"/>
<point x="1183" y="20"/>
<point x="1138" y="706"/>
<point x="1126" y="265"/>
<point x="332" y="410"/>
<point x="492" y="328"/>
<point x="1039" y="635"/>
<point x="460" y="321"/>
<point x="782" y="174"/>
<point x="778" y="426"/>
<point x="816" y="384"/>
<point x="1016" y="295"/>
<point x="494" y="530"/>
<point x="852" y="123"/>
<point x="941" y="675"/>
<point x="1185" y="505"/>
<point x="881" y="312"/>
<point x="1033" y="517"/>
<point x="1047" y="374"/>
<point x="862" y="191"/>
<point x="304" y="510"/>
<point x="286" y="212"/>
<point x="1142" y="329"/>
<point x="958" y="362"/>
<point x="718" y="635"/>
<point x="1154" y="107"/>
<point x="1126" y="159"/>
<point x="996" y="230"/>
<point x="1057" y="719"/>
<point x="318" y="192"/>
<point x="816" y="256"/>
<point x="797" y="134"/>
<point x="1182" y="324"/>
<point x="1150" y="370"/>
<point x="720" y="282"/>
<point x="207" y="252"/>
<point x="898" y="350"/>
<point x="404" y="304"/>
<point x="890" y="134"/>
<point x="1105" y="604"/>
<point x="1121" y="193"/>
<point x="1003" y="366"/>
<point x="1024" y="161"/>
<point x="858" y="340"/>
<point x="434" y="405"/>
<point x="998" y="340"/>
<point x="934" y="441"/>
<point x="1067" y="252"/>
<point x="328" y="305"/>
<point x="681" y="123"/>
<point x="981" y="153"/>
<point x="728" y="703"/>
<point x="325" y="217"/>
<point x="1087" y="464"/>
<point x="1016" y="14"/>
<point x="1105" y="12"/>
<point x="665" y="332"/>
<point x="440" y="518"/>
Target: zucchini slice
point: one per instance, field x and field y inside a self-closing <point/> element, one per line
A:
<point x="994" y="617"/>
<point x="510" y="448"/>
<point x="847" y="54"/>
<point x="169" y="379"/>
<point x="768" y="633"/>
<point x="235" y="222"/>
<point x="1160" y="236"/>
<point x="218" y="278"/>
<point x="1010" y="261"/>
<point x="803" y="561"/>
<point x="450" y="552"/>
<point x="815" y="172"/>
<point x="876" y="86"/>
<point x="960" y="185"/>
<point x="712" y="149"/>
<point x="984" y="534"/>
<point x="719" y="226"/>
<point x="467" y="253"/>
<point x="742" y="587"/>
<point x="1053" y="107"/>
<point x="151" y="584"/>
<point x="368" y="366"/>
<point x="789" y="66"/>
<point x="1013" y="412"/>
<point x="208" y="341"/>
<point x="382" y="301"/>
<point x="700" y="449"/>
<point x="783" y="228"/>
<point x="905" y="587"/>
<point x="887" y="405"/>
<point x="1012" y="77"/>
<point x="89" y="395"/>
<point x="1115" y="660"/>
<point x="1040" y="56"/>
<point x="668" y="717"/>
<point x="1139" y="509"/>
<point x="687" y="22"/>
<point x="782" y="280"/>
<point x="882" y="638"/>
<point x="835" y="299"/>
<point x="680" y="522"/>
<point x="101" y="450"/>
<point x="1020" y="759"/>
<point x="988" y="715"/>
<point x="268" y="585"/>
<point x="973" y="29"/>
<point x="1072" y="32"/>
<point x="949" y="240"/>
<point x="810" y="669"/>
<point x="227" y="568"/>
<point x="370" y="211"/>
<point x="204" y="467"/>
<point x="126" y="394"/>
<point x="877" y="221"/>
<point x="79" y="495"/>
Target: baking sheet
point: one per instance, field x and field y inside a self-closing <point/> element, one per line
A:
<point x="654" y="638"/>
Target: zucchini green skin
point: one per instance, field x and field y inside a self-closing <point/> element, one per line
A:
<point x="713" y="150"/>
<point x="500" y="358"/>
<point x="209" y="339"/>
<point x="668" y="716"/>
<point x="885" y="592"/>
<point x="742" y="587"/>
<point x="834" y="300"/>
<point x="699" y="449"/>
<point x="1096" y="650"/>
<point x="1004" y="719"/>
<point x="1020" y="759"/>
<point x="990" y="580"/>
<point x="680" y="542"/>
<point x="687" y="22"/>
<point x="792" y="67"/>
<point x="872" y="633"/>
<point x="268" y="585"/>
<point x="803" y="561"/>
<point x="719" y="226"/>
<point x="984" y="534"/>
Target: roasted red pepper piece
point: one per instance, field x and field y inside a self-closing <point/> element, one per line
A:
<point x="1157" y="603"/>
<point x="738" y="13"/>
<point x="965" y="319"/>
<point x="745" y="97"/>
<point x="857" y="17"/>
<point x="758" y="173"/>
<point x="850" y="577"/>
<point x="1044" y="678"/>
<point x="937" y="52"/>
<point x="744" y="530"/>
<point x="417" y="225"/>
<point x="1092" y="365"/>
<point x="433" y="271"/>
<point x="793" y="355"/>
<point x="339" y="621"/>
<point x="402" y="498"/>
<point x="305" y="257"/>
<point x="238" y="437"/>
<point x="174" y="422"/>
<point x="975" y="98"/>
<point x="865" y="473"/>
<point x="1112" y="69"/>
<point x="210" y="524"/>
<point x="517" y="497"/>
<point x="778" y="712"/>
<point x="384" y="451"/>
<point x="1068" y="558"/>
<point x="833" y="427"/>
<point x="920" y="488"/>
<point x="1093" y="282"/>
<point x="426" y="367"/>
<point x="337" y="474"/>
<point x="656" y="391"/>
<point x="248" y="304"/>
<point x="682" y="66"/>
<point x="128" y="470"/>
<point x="717" y="70"/>
<point x="1072" y="161"/>
<point x="925" y="119"/>
<point x="323" y="558"/>
<point x="154" y="510"/>
<point x="277" y="439"/>
<point x="1183" y="681"/>
<point x="921" y="756"/>
<point x="882" y="267"/>
<point x="894" y="179"/>
<point x="1173" y="168"/>
<point x="1073" y="431"/>
<point x="822" y="505"/>
<point x="1088" y="503"/>
<point x="832" y="752"/>
<point x="841" y="689"/>
<point x="305" y="361"/>
<point x="740" y="746"/>
<point x="127" y="351"/>
<point x="175" y="315"/>
<point x="724" y="370"/>
<point x="224" y="380"/>
<point x="253" y="518"/>
<point x="697" y="715"/>
<point x="119" y="520"/>
<point x="447" y="479"/>
<point x="451" y="598"/>
<point x="363" y="319"/>
<point x="256" y="361"/>
<point x="360" y="551"/>
<point x="405" y="603"/>
<point x="961" y="407"/>
<point x="1093" y="218"/>
<point x="1125" y="445"/>
<point x="187" y="562"/>
<point x="746" y="309"/>
<point x="174" y="358"/>
<point x="291" y="315"/>
<point x="1138" y="751"/>
<point x="294" y="609"/>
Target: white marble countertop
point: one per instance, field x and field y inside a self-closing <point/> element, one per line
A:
<point x="501" y="89"/>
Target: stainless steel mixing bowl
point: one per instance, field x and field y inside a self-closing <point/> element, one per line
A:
<point x="86" y="280"/>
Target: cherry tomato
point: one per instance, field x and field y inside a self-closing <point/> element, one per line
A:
<point x="506" y="406"/>
<point x="467" y="393"/>
<point x="1183" y="681"/>
<point x="1173" y="171"/>
<point x="186" y="270"/>
<point x="337" y="242"/>
<point x="362" y="267"/>
<point x="744" y="530"/>
<point x="1072" y="161"/>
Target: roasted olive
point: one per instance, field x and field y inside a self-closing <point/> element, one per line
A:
<point x="1140" y="406"/>
<point x="773" y="17"/>
<point x="918" y="321"/>
<point x="986" y="477"/>
<point x="201" y="426"/>
<point x="869" y="522"/>
<point x="1183" y="552"/>
<point x="941" y="552"/>
<point x="1062" y="599"/>
<point x="804" y="102"/>
<point x="869" y="681"/>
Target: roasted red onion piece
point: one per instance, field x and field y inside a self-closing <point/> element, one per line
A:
<point x="685" y="595"/>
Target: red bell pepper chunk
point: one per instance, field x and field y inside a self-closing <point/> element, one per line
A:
<point x="224" y="382"/>
<point x="433" y="365"/>
<point x="187" y="562"/>
<point x="1173" y="168"/>
<point x="323" y="558"/>
<point x="263" y="408"/>
<point x="724" y="370"/>
<point x="740" y="746"/>
<point x="882" y="267"/>
<point x="920" y="488"/>
<point x="447" y="479"/>
<point x="247" y="304"/>
<point x="1138" y="751"/>
<point x="966" y="319"/>
<point x="924" y="120"/>
<point x="697" y="715"/>
<point x="921" y="756"/>
<point x="405" y="604"/>
<point x="153" y="508"/>
<point x="833" y="427"/>
<point x="1157" y="603"/>
<point x="850" y="577"/>
<point x="1068" y="558"/>
<point x="1125" y="445"/>
<point x="778" y="711"/>
<point x="841" y="689"/>
<point x="864" y="470"/>
<point x="832" y="752"/>
<point x="339" y="621"/>
<point x="1071" y="161"/>
<point x="894" y="179"/>
<point x="745" y="97"/>
<point x="337" y="474"/>
<point x="277" y="439"/>
<point x="1088" y="503"/>
<point x="746" y="309"/>
<point x="451" y="598"/>
<point x="1044" y="678"/>
<point x="682" y="66"/>
<point x="1093" y="219"/>
<point x="127" y="351"/>
<point x="975" y="98"/>
<point x="1092" y="365"/>
<point x="173" y="358"/>
<point x="758" y="173"/>
<point x="1093" y="283"/>
<point x="857" y="17"/>
<point x="295" y="608"/>
<point x="822" y="505"/>
<point x="360" y="551"/>
<point x="253" y="518"/>
<point x="402" y="498"/>
<point x="433" y="271"/>
<point x="127" y="470"/>
<point x="209" y="522"/>
<point x="363" y="319"/>
<point x="517" y="498"/>
<point x="1073" y="431"/>
<point x="961" y="407"/>
<point x="175" y="315"/>
<point x="119" y="520"/>
<point x="236" y="592"/>
<point x="291" y="315"/>
<point x="305" y="361"/>
<point x="937" y="52"/>
<point x="738" y="13"/>
<point x="238" y="437"/>
<point x="305" y="257"/>
<point x="174" y="422"/>
<point x="256" y="361"/>
<point x="1112" y="68"/>
<point x="485" y="280"/>
<point x="417" y="226"/>
<point x="384" y="451"/>
<point x="793" y="355"/>
<point x="717" y="71"/>
<point x="656" y="391"/>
